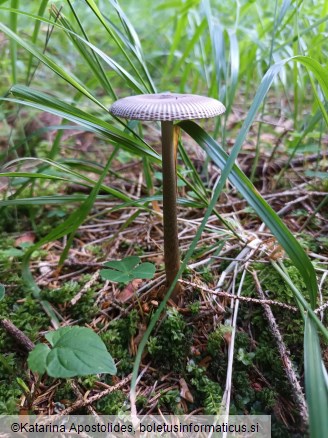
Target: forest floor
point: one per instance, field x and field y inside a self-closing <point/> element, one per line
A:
<point x="184" y="367"/>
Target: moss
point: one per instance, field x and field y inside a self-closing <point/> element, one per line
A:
<point x="216" y="339"/>
<point x="117" y="339"/>
<point x="63" y="294"/>
<point x="207" y="276"/>
<point x="194" y="307"/>
<point x="84" y="309"/>
<point x="207" y="393"/>
<point x="170" y="347"/>
<point x="9" y="398"/>
<point x="170" y="400"/>
<point x="113" y="404"/>
<point x="10" y="364"/>
<point x="88" y="381"/>
<point x="141" y="402"/>
<point x="64" y="392"/>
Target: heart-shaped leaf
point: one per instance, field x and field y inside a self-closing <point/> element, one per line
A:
<point x="37" y="358"/>
<point x="76" y="351"/>
<point x="127" y="269"/>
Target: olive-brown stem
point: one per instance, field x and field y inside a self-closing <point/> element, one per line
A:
<point x="171" y="243"/>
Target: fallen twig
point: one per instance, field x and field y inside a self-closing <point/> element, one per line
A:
<point x="285" y="358"/>
<point x="241" y="298"/>
<point x="17" y="334"/>
<point x="85" y="403"/>
<point x="85" y="288"/>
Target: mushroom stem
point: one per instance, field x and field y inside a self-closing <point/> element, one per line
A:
<point x="171" y="243"/>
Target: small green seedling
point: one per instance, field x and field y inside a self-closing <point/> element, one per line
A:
<point x="76" y="351"/>
<point x="127" y="269"/>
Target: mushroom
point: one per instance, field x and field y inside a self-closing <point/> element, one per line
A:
<point x="167" y="107"/>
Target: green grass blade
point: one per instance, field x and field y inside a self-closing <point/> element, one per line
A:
<point x="90" y="57"/>
<point x="69" y="77"/>
<point x="13" y="45"/>
<point x="134" y="40"/>
<point x="178" y="65"/>
<point x="45" y="102"/>
<point x="216" y="33"/>
<point x="31" y="175"/>
<point x="234" y="70"/>
<point x="195" y="175"/>
<point x="316" y="386"/>
<point x="103" y="21"/>
<point x="252" y="196"/>
<point x="50" y="200"/>
<point x="319" y="72"/>
<point x="76" y="176"/>
<point x="36" y="30"/>
<point x="45" y="59"/>
<point x="68" y="226"/>
<point x="181" y="24"/>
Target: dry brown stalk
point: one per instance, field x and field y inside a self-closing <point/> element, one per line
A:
<point x="85" y="403"/>
<point x="246" y="299"/>
<point x="85" y="288"/>
<point x="285" y="358"/>
<point x="17" y="334"/>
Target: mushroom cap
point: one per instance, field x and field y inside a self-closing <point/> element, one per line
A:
<point x="167" y="107"/>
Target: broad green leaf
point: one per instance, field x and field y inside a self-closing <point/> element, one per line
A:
<point x="54" y="336"/>
<point x="124" y="265"/>
<point x="76" y="351"/>
<point x="144" y="271"/>
<point x="2" y="292"/>
<point x="127" y="269"/>
<point x="12" y="252"/>
<point x="115" y="276"/>
<point x="37" y="358"/>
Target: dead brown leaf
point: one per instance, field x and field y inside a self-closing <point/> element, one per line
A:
<point x="184" y="391"/>
<point x="28" y="237"/>
<point x="128" y="292"/>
